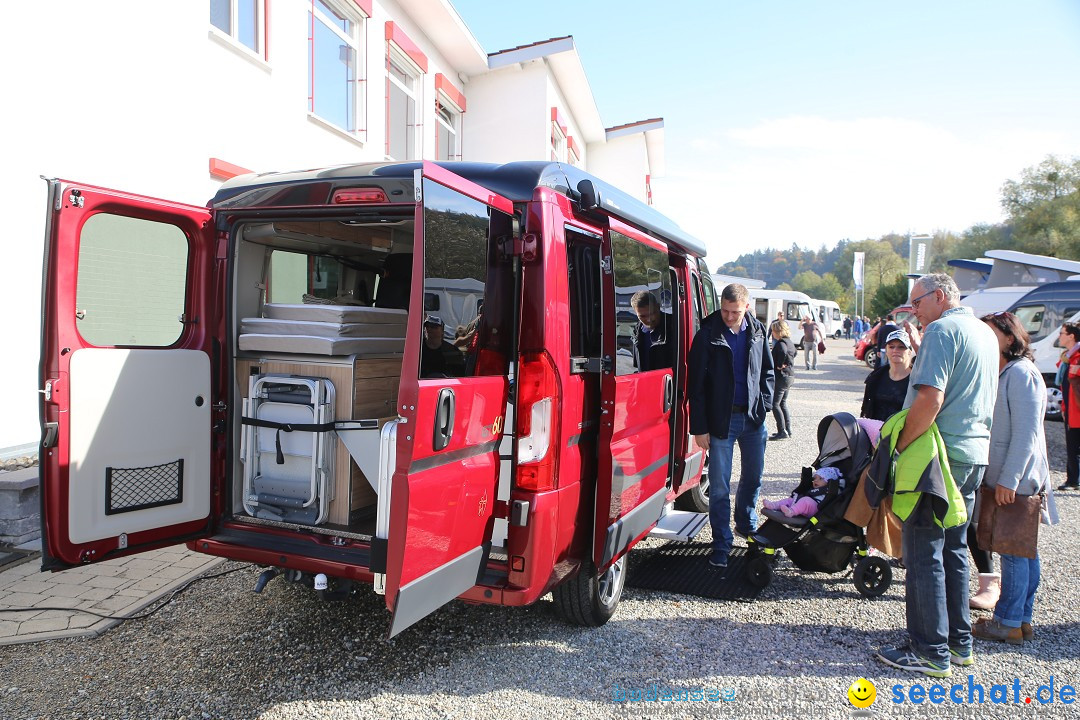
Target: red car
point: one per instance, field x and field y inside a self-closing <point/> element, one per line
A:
<point x="866" y="349"/>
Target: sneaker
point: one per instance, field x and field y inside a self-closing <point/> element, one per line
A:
<point x="963" y="658"/>
<point x="907" y="659"/>
<point x="779" y="436"/>
<point x="1068" y="486"/>
<point x="718" y="561"/>
<point x="740" y="533"/>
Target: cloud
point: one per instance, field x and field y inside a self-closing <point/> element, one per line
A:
<point x="814" y="180"/>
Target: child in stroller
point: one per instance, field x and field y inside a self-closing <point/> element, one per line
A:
<point x="823" y="541"/>
<point x="808" y="503"/>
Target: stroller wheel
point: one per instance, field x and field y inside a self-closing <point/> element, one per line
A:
<point x="759" y="571"/>
<point x="872" y="576"/>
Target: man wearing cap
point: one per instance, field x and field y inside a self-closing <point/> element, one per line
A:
<point x="953" y="385"/>
<point x="438" y="358"/>
<point x="886" y="387"/>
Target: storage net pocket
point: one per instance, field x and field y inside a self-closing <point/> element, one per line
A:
<point x="128" y="489"/>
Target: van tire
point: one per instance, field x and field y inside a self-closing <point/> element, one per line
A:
<point x="696" y="499"/>
<point x="589" y="598"/>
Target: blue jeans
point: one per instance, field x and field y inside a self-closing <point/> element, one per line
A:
<point x="1019" y="581"/>
<point x="751" y="439"/>
<point x="936" y="589"/>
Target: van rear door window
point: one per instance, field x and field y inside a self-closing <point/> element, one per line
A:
<point x="641" y="279"/>
<point x="132" y="281"/>
<point x="468" y="284"/>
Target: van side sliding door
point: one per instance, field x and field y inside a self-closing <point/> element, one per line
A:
<point x="452" y="397"/>
<point x="637" y="391"/>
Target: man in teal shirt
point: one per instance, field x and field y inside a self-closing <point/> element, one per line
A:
<point x="953" y="383"/>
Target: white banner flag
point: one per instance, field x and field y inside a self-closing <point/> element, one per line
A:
<point x="857" y="270"/>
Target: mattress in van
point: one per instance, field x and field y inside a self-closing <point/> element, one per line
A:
<point x="335" y="313"/>
<point x="311" y="345"/>
<point x="309" y="328"/>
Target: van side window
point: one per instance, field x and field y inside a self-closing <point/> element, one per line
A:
<point x="698" y="309"/>
<point x="793" y="311"/>
<point x="583" y="271"/>
<point x="470" y="282"/>
<point x="132" y="281"/>
<point x="1031" y="317"/>
<point x="641" y="275"/>
<point x="709" y="287"/>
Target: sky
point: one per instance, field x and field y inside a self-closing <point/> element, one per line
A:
<point x="814" y="121"/>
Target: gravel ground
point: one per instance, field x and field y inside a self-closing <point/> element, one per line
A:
<point x="219" y="651"/>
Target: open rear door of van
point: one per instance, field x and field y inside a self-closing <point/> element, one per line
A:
<point x="637" y="393"/>
<point x="126" y="389"/>
<point x="452" y="397"/>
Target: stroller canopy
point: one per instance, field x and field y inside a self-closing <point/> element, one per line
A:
<point x="840" y="438"/>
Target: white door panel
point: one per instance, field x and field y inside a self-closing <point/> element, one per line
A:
<point x="139" y="424"/>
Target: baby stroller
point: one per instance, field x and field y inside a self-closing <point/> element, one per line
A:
<point x="825" y="542"/>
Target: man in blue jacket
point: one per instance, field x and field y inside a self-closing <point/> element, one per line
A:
<point x="730" y="393"/>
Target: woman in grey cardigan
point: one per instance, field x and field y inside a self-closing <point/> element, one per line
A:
<point x="1018" y="466"/>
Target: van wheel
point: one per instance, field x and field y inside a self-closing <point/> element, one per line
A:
<point x="590" y="598"/>
<point x="696" y="499"/>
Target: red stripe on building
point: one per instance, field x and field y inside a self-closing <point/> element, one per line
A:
<point x="447" y="88"/>
<point x="225" y="170"/>
<point x="395" y="35"/>
<point x="364" y="5"/>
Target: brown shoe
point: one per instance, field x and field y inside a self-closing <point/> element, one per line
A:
<point x="1027" y="631"/>
<point x="991" y="629"/>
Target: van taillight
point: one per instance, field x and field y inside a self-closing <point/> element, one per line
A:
<point x="537" y="413"/>
<point x="357" y="196"/>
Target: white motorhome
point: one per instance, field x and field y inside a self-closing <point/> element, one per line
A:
<point x="795" y="306"/>
<point x="1013" y="275"/>
<point x="829" y="317"/>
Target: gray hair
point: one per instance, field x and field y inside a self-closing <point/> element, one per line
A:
<point x="942" y="282"/>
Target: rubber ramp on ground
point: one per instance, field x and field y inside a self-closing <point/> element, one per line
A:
<point x="684" y="568"/>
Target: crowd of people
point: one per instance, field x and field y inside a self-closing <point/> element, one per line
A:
<point x="961" y="388"/>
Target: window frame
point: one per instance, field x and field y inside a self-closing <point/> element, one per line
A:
<point x="397" y="56"/>
<point x="357" y="40"/>
<point x="453" y="127"/>
<point x="232" y="36"/>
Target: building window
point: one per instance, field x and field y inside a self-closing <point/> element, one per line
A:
<point x="448" y="138"/>
<point x="572" y="155"/>
<point x="449" y="109"/>
<point x="403" y="98"/>
<point x="335" y="65"/>
<point x="244" y="21"/>
<point x="558" y="141"/>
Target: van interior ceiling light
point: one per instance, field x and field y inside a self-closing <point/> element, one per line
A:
<point x="358" y="196"/>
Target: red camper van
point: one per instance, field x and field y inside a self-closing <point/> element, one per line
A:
<point x="414" y="375"/>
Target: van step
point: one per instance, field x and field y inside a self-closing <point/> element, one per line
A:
<point x="679" y="525"/>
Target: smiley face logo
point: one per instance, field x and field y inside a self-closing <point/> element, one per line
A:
<point x="862" y="693"/>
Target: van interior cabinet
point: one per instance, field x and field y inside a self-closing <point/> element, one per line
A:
<point x="366" y="387"/>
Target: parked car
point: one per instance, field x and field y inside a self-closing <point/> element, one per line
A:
<point x="866" y="350"/>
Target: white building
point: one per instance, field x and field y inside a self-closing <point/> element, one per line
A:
<point x="169" y="99"/>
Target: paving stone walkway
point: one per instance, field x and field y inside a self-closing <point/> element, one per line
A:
<point x="113" y="587"/>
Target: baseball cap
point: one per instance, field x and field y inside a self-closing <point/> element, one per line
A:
<point x="433" y="320"/>
<point x="900" y="335"/>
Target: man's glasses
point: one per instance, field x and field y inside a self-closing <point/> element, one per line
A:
<point x="915" y="301"/>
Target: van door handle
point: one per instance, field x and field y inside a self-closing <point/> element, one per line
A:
<point x="669" y="392"/>
<point x="444" y="419"/>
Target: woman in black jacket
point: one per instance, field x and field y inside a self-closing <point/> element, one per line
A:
<point x="783" y="355"/>
<point x="887" y="386"/>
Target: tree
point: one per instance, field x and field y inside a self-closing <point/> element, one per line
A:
<point x="889" y="296"/>
<point x="1051" y="179"/>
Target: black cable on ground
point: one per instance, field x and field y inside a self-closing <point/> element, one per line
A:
<point x="139" y="615"/>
